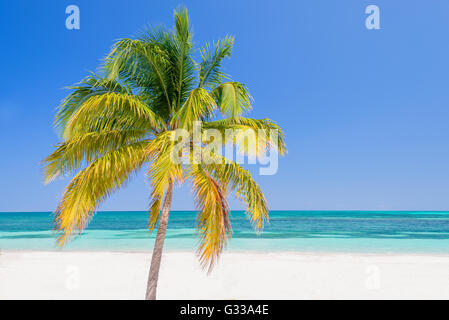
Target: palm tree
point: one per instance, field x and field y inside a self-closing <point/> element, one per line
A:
<point x="113" y="124"/>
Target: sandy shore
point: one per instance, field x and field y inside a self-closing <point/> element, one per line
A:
<point x="123" y="275"/>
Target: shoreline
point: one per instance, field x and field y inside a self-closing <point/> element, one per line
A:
<point x="233" y="251"/>
<point x="238" y="251"/>
<point x="238" y="275"/>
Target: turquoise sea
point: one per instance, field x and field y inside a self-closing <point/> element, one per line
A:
<point x="304" y="231"/>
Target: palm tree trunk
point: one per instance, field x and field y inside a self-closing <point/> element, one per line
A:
<point x="159" y="245"/>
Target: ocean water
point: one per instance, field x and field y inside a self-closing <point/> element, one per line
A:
<point x="302" y="231"/>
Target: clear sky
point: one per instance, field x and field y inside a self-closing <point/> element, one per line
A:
<point x="365" y="112"/>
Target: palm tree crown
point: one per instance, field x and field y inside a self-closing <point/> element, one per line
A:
<point x="114" y="123"/>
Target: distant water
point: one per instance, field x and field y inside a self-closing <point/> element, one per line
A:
<point x="304" y="231"/>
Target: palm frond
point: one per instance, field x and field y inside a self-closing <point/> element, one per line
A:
<point x="88" y="87"/>
<point x="214" y="225"/>
<point x="231" y="174"/>
<point x="232" y="98"/>
<point x="86" y="148"/>
<point x="267" y="134"/>
<point x="102" y="109"/>
<point x="198" y="106"/>
<point x="145" y="62"/>
<point x="93" y="184"/>
<point x="210" y="67"/>
<point x="183" y="72"/>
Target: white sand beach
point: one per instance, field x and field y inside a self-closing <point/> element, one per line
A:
<point x="123" y="275"/>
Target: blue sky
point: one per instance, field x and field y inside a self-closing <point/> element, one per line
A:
<point x="365" y="111"/>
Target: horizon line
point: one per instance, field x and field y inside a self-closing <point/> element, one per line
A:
<point x="286" y="210"/>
